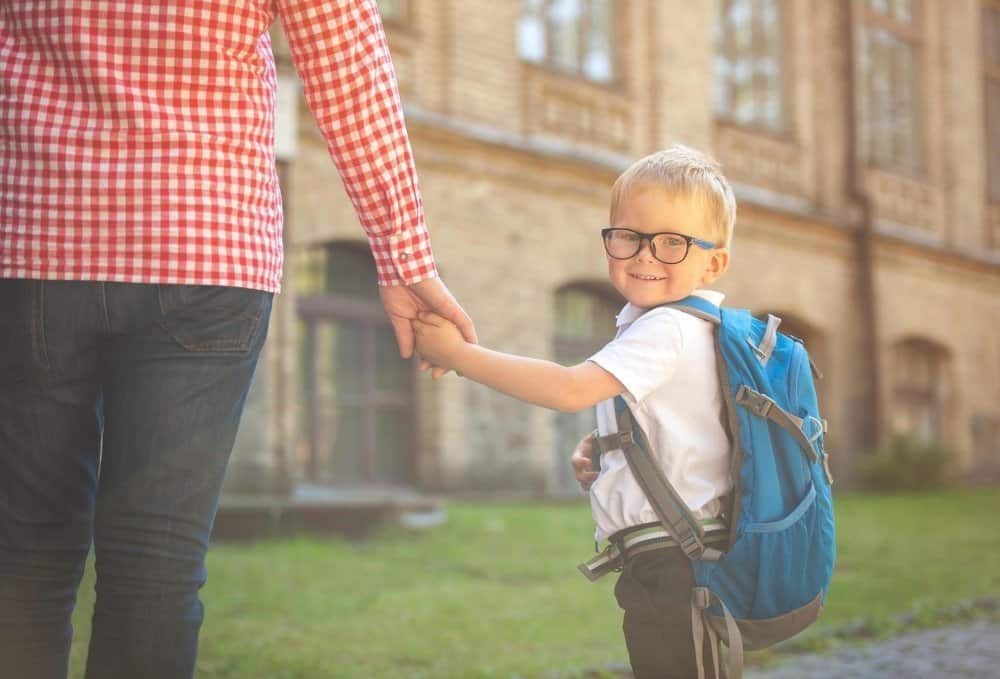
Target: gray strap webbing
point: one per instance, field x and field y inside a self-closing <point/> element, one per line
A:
<point x="666" y="503"/>
<point x="764" y="406"/>
<point x="702" y="599"/>
<point x="769" y="340"/>
<point x="698" y="634"/>
<point x="816" y="373"/>
<point x="630" y="543"/>
<point x="713" y="643"/>
<point x="606" y="444"/>
<point x="697" y="313"/>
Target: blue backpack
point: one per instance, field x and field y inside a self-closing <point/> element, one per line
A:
<point x="769" y="580"/>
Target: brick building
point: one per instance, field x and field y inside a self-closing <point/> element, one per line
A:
<point x="862" y="138"/>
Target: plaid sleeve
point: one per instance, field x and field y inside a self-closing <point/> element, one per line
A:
<point x="340" y="52"/>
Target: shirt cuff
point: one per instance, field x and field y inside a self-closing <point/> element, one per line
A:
<point x="404" y="258"/>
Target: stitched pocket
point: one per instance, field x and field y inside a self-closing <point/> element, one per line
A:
<point x="212" y="318"/>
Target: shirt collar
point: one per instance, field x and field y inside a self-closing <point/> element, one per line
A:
<point x="631" y="312"/>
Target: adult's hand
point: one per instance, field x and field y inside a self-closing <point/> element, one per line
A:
<point x="581" y="462"/>
<point x="403" y="302"/>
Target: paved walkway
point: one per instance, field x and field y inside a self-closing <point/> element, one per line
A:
<point x="970" y="651"/>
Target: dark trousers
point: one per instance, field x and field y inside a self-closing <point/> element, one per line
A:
<point x="119" y="405"/>
<point x="654" y="590"/>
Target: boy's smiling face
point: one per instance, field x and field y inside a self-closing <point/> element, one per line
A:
<point x="645" y="281"/>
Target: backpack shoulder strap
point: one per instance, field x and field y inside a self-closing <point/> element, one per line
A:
<point x="670" y="508"/>
<point x="757" y="403"/>
<point x="699" y="307"/>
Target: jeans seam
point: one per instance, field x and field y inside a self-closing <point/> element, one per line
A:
<point x="239" y="345"/>
<point x="104" y="304"/>
<point x="38" y="327"/>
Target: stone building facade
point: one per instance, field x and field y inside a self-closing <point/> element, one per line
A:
<point x="862" y="138"/>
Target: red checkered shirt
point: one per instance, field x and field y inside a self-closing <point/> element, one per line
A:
<point x="137" y="138"/>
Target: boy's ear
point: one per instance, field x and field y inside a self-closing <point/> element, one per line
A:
<point x="717" y="265"/>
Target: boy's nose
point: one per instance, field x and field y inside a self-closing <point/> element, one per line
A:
<point x="645" y="250"/>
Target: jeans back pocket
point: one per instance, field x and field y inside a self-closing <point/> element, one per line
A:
<point x="212" y="318"/>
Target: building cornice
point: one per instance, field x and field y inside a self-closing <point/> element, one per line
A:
<point x="786" y="204"/>
<point x="549" y="148"/>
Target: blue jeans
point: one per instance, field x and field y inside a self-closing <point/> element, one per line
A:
<point x="119" y="405"/>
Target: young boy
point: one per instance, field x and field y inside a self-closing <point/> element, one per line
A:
<point x="672" y="217"/>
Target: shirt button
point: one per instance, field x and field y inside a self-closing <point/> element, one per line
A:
<point x="404" y="257"/>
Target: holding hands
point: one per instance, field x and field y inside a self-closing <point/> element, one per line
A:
<point x="443" y="345"/>
<point x="439" y="342"/>
<point x="402" y="304"/>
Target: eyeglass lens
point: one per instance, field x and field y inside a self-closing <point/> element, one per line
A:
<point x="625" y="244"/>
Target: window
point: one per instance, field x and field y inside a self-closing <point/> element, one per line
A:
<point x="749" y="70"/>
<point x="919" y="386"/>
<point x="393" y="10"/>
<point x="986" y="442"/>
<point x="991" y="69"/>
<point x="585" y="322"/>
<point x="888" y="51"/>
<point x="576" y="36"/>
<point x="356" y="418"/>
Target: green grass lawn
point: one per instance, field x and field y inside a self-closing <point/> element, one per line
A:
<point x="494" y="592"/>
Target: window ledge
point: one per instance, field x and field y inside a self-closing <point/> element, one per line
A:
<point x="778" y="165"/>
<point x="568" y="107"/>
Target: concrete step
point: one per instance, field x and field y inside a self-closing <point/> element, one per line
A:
<point x="349" y="511"/>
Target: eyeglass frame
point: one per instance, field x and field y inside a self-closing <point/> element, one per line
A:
<point x="701" y="243"/>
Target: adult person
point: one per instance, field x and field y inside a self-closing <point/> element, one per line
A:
<point x="140" y="246"/>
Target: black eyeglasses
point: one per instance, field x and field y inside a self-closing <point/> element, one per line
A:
<point x="665" y="246"/>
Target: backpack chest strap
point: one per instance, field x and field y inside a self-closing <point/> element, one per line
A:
<point x="763" y="406"/>
<point x="616" y="441"/>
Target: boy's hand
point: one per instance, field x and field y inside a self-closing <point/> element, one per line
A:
<point x="403" y="302"/>
<point x="581" y="461"/>
<point x="438" y="340"/>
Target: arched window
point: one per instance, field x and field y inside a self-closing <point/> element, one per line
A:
<point x="584" y="322"/>
<point x="919" y="388"/>
<point x="356" y="423"/>
<point x="749" y="67"/>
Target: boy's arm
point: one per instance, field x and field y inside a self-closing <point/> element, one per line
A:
<point x="544" y="383"/>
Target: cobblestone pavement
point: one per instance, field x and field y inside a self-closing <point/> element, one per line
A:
<point x="970" y="651"/>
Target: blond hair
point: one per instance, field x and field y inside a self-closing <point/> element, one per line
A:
<point x="690" y="173"/>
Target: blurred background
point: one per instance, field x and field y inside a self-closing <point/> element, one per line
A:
<point x="862" y="138"/>
<point x="863" y="141"/>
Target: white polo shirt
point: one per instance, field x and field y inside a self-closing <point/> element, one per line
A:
<point x="665" y="358"/>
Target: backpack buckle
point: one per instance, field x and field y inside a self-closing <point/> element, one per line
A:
<point x="701" y="598"/>
<point x="758" y="404"/>
<point x="763" y="406"/>
<point x="691" y="546"/>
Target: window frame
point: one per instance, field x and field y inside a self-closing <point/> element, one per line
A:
<point x="548" y="64"/>
<point x="314" y="309"/>
<point x="991" y="76"/>
<point x="912" y="395"/>
<point x="786" y="64"/>
<point x="912" y="35"/>
<point x="566" y="349"/>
